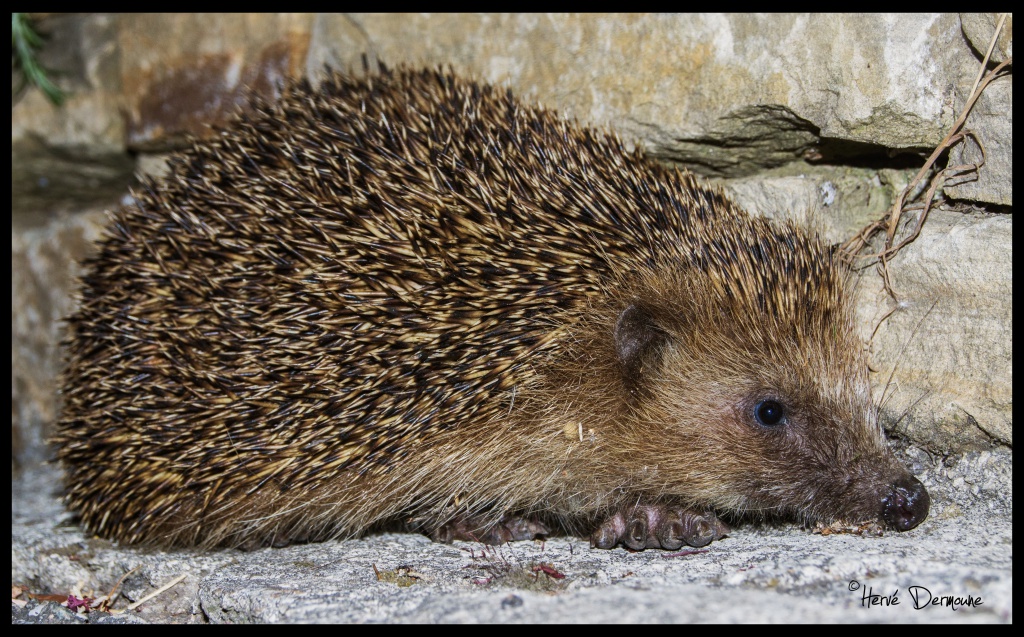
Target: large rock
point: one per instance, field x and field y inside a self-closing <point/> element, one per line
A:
<point x="818" y="117"/>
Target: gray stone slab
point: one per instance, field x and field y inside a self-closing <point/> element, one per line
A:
<point x="758" y="574"/>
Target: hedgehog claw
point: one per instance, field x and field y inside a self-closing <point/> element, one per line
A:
<point x="657" y="526"/>
<point x="510" y="528"/>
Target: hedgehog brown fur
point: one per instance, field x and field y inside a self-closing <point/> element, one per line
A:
<point x="410" y="298"/>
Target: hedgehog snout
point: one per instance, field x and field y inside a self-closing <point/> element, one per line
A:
<point x="906" y="504"/>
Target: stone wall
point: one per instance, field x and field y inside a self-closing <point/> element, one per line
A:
<point x="821" y="118"/>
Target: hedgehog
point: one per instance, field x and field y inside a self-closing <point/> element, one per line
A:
<point x="404" y="299"/>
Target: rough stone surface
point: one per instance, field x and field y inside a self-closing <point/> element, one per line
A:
<point x="82" y="57"/>
<point x="183" y="73"/>
<point x="725" y="95"/>
<point x="47" y="178"/>
<point x="991" y="119"/>
<point x="834" y="202"/>
<point x="671" y="80"/>
<point x="978" y="29"/>
<point x="953" y="381"/>
<point x="35" y="612"/>
<point x="757" y="574"/>
<point x="43" y="266"/>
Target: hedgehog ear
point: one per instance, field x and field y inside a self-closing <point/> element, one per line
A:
<point x="637" y="340"/>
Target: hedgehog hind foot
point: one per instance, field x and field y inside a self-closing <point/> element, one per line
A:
<point x="510" y="528"/>
<point x="657" y="526"/>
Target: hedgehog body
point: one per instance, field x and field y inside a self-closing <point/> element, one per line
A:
<point x="410" y="299"/>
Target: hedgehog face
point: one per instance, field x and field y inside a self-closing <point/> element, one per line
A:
<point x="785" y="427"/>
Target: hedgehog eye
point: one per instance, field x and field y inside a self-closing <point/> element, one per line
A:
<point x="769" y="413"/>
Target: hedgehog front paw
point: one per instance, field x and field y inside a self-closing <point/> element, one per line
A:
<point x="657" y="526"/>
<point x="510" y="528"/>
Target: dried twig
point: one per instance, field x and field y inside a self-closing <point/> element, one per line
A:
<point x="163" y="588"/>
<point x="891" y="222"/>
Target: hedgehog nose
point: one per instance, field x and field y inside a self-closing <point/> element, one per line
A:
<point x="906" y="504"/>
